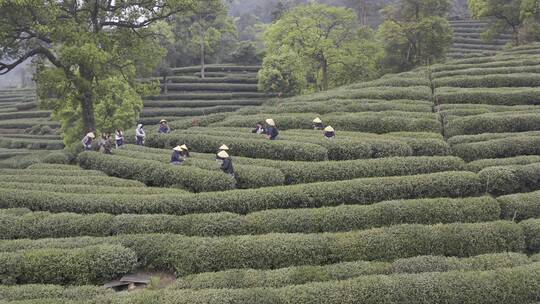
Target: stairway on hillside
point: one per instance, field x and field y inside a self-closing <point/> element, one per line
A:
<point x="468" y="41"/>
<point x="225" y="88"/>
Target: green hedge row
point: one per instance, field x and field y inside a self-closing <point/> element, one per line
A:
<point x="218" y="68"/>
<point x="96" y="264"/>
<point x="341" y="148"/>
<point x="27" y="123"/>
<point x="25" y="106"/>
<point x="246" y="176"/>
<point x="489" y="81"/>
<point x="356" y="191"/>
<point x="373" y="122"/>
<point x="56" y="292"/>
<point x="297" y="172"/>
<point x="251" y="278"/>
<point x="520" y="206"/>
<point x="73" y="180"/>
<point x="480" y="164"/>
<point x="43" y="166"/>
<point x="511" y="179"/>
<point x="8" y="153"/>
<point x="209" y="96"/>
<point x="201" y="103"/>
<point x="256" y="148"/>
<point x="453" y="110"/>
<point x="489" y="71"/>
<point x="155" y="173"/>
<point x="465" y="139"/>
<point x="22" y="114"/>
<point x="498" y="148"/>
<point x="227" y="79"/>
<point x="349" y="106"/>
<point x="188" y="255"/>
<point x="480" y="47"/>
<point x="531" y="231"/>
<point x="492" y="62"/>
<point x="51" y="172"/>
<point x="388" y="93"/>
<point x="221" y="87"/>
<point x="396" y="81"/>
<point x="17" y="225"/>
<point x="33" y="144"/>
<point x="494" y="96"/>
<point x="493" y="123"/>
<point x="85" y="189"/>
<point x="180" y="112"/>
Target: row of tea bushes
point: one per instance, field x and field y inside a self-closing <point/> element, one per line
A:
<point x="189" y="255"/>
<point x="493" y="123"/>
<point x="472" y="71"/>
<point x="384" y="92"/>
<point x="493" y="96"/>
<point x="465" y="139"/>
<point x="356" y="191"/>
<point x="498" y="148"/>
<point x="252" y="278"/>
<point x="85" y="189"/>
<point x="22" y="223"/>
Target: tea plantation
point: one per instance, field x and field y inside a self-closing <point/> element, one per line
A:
<point x="468" y="40"/>
<point x="430" y="193"/>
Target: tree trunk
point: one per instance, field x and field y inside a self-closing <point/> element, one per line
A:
<point x="515" y="35"/>
<point x="324" y="75"/>
<point x="202" y="53"/>
<point x="87" y="101"/>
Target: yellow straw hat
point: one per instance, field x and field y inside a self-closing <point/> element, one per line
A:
<point x="223" y="154"/>
<point x="91" y="135"/>
<point x="271" y="122"/>
<point x="329" y="129"/>
<point x="183" y="147"/>
<point x="317" y="120"/>
<point x="177" y="148"/>
<point x="224" y="147"/>
<point x="162" y="121"/>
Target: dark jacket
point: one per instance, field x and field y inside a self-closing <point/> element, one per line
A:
<point x="318" y="126"/>
<point x="176" y="157"/>
<point x="185" y="153"/>
<point x="164" y="129"/>
<point x="227" y="166"/>
<point x="272" y="132"/>
<point x="329" y="134"/>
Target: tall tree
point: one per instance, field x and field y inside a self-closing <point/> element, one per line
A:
<point x="510" y="15"/>
<point x="91" y="50"/>
<point x="325" y="37"/>
<point x="415" y="32"/>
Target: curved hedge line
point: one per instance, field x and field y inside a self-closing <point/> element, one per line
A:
<point x="246" y="176"/>
<point x="356" y="191"/>
<point x="16" y="225"/>
<point x="251" y="278"/>
<point x="254" y="148"/>
<point x="480" y="164"/>
<point x="188" y="255"/>
<point x="95" y="264"/>
<point x="39" y="291"/>
<point x="511" y="179"/>
<point x="297" y="172"/>
<point x="494" y="96"/>
<point x="388" y="93"/>
<point x="155" y="173"/>
<point x="531" y="231"/>
<point x="490" y="123"/>
<point x="373" y="122"/>
<point x="73" y="180"/>
<point x="51" y="172"/>
<point x="44" y="166"/>
<point x="148" y="113"/>
<point x="201" y="103"/>
<point x="489" y="81"/>
<point x="520" y="206"/>
<point x="498" y="148"/>
<point x="29" y="143"/>
<point x="85" y="189"/>
<point x="490" y="71"/>
<point x="465" y="139"/>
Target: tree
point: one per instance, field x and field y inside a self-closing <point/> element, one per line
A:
<point x="325" y="38"/>
<point x="283" y="72"/>
<point x="90" y="51"/>
<point x="512" y="15"/>
<point x="415" y="32"/>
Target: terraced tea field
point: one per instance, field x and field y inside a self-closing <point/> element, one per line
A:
<point x="469" y="43"/>
<point x="430" y="193"/>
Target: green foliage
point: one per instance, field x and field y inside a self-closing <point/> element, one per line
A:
<point x="96" y="264"/>
<point x="415" y="32"/>
<point x="493" y="123"/>
<point x="478" y="165"/>
<point x="511" y="179"/>
<point x="492" y="96"/>
<point x="327" y="44"/>
<point x="498" y="148"/>
<point x="520" y="206"/>
<point x="35" y="291"/>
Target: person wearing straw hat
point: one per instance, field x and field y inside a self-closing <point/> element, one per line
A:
<point x="329" y="132"/>
<point x="87" y="141"/>
<point x="140" y="135"/>
<point x="221" y="148"/>
<point x="185" y="152"/>
<point x="163" y="127"/>
<point x="176" y="157"/>
<point x="226" y="163"/>
<point x="318" y="124"/>
<point x="259" y="128"/>
<point x="271" y="129"/>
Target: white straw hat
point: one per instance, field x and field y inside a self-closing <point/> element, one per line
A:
<point x="162" y="121"/>
<point x="329" y="129"/>
<point x="177" y="148"/>
<point x="270" y="122"/>
<point x="183" y="147"/>
<point x="317" y="120"/>
<point x="224" y="147"/>
<point x="223" y="154"/>
<point x="91" y="135"/>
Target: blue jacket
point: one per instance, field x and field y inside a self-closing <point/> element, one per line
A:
<point x="329" y="134"/>
<point x="227" y="166"/>
<point x="164" y="129"/>
<point x="175" y="157"/>
<point x="272" y="132"/>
